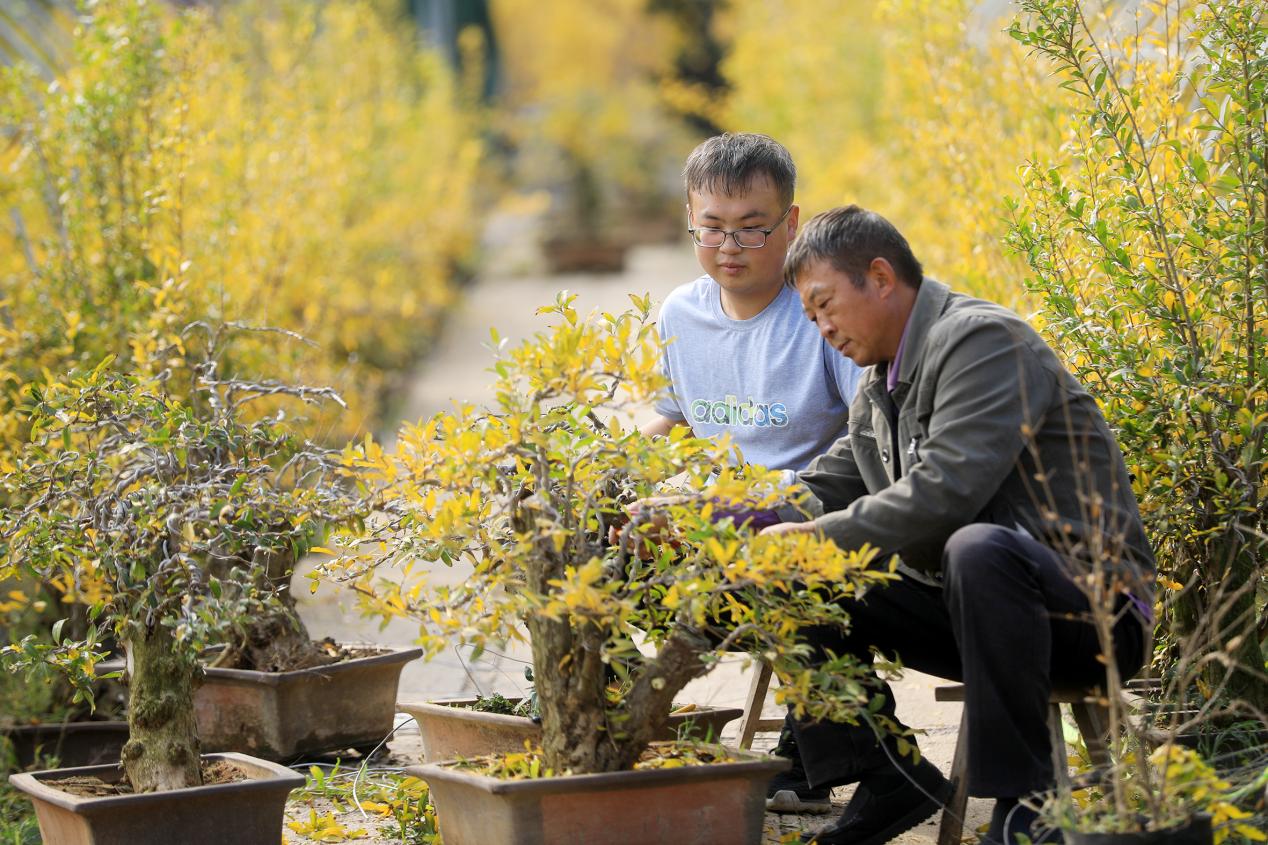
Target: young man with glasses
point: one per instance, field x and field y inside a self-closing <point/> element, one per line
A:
<point x="740" y="356"/>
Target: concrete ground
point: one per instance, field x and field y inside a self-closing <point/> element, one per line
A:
<point x="457" y="369"/>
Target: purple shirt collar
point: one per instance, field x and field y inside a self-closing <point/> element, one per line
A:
<point x="891" y="375"/>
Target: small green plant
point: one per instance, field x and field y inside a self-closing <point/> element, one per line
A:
<point x="17" y="820"/>
<point x="496" y="703"/>
<point x="1145" y="236"/>
<point x="338" y="799"/>
<point x="18" y="825"/>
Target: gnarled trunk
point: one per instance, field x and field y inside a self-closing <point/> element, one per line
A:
<point x="162" y="749"/>
<point x="580" y="730"/>
<point x="278" y="640"/>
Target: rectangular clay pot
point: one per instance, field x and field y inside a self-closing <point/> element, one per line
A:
<point x="450" y="729"/>
<point x="284" y="715"/>
<point x="248" y="812"/>
<point x="718" y="804"/>
<point x="71" y="743"/>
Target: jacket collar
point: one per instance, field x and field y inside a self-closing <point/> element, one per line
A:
<point x="931" y="301"/>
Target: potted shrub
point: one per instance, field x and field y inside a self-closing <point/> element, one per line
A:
<point x="525" y="494"/>
<point x="138" y="497"/>
<point x="1147" y="262"/>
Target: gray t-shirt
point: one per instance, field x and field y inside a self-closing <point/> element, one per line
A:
<point x="771" y="382"/>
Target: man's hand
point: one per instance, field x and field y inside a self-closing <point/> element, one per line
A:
<point x="789" y="528"/>
<point x="649" y="518"/>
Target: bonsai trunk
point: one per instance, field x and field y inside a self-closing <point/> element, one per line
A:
<point x="276" y="641"/>
<point x="581" y="731"/>
<point x="162" y="749"/>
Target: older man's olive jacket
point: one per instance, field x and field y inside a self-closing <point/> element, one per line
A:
<point x="985" y="425"/>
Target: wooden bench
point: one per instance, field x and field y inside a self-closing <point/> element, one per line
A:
<point x="1090" y="716"/>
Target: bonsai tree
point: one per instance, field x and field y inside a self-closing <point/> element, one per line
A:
<point x="524" y="494"/>
<point x="161" y="509"/>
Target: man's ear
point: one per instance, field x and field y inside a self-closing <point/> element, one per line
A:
<point x="794" y="212"/>
<point x="882" y="274"/>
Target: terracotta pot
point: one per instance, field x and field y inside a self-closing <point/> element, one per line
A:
<point x="584" y="255"/>
<point x="248" y="812"/>
<point x="1196" y="832"/>
<point x="71" y="743"/>
<point x="285" y="715"/>
<point x="718" y="804"/>
<point x="449" y="729"/>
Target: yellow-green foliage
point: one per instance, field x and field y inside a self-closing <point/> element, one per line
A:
<point x="1145" y="236"/>
<point x="916" y="109"/>
<point x="1162" y="789"/>
<point x="301" y="166"/>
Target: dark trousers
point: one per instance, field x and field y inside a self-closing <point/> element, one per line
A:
<point x="1008" y="623"/>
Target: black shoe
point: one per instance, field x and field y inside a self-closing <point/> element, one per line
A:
<point x="886" y="805"/>
<point x="790" y="792"/>
<point x="1014" y="822"/>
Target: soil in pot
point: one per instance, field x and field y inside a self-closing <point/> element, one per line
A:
<point x="92" y="786"/>
<point x="285" y="654"/>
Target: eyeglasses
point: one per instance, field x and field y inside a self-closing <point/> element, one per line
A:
<point x="745" y="238"/>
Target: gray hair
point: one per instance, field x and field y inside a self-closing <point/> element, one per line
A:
<point x="848" y="238"/>
<point x="731" y="162"/>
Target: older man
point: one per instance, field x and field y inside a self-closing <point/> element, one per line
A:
<point x="975" y="456"/>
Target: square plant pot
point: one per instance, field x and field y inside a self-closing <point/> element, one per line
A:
<point x="247" y="812"/>
<point x="692" y="805"/>
<point x="285" y="715"/>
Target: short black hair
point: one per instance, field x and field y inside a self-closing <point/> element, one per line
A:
<point x="849" y="238"/>
<point x="731" y="162"/>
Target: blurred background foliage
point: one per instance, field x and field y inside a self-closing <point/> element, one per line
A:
<point x="328" y="167"/>
<point x="296" y="165"/>
<point x="923" y="109"/>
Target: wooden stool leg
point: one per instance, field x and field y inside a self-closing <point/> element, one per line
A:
<point x="951" y="828"/>
<point x="753" y="705"/>
<point x="1060" y="763"/>
<point x="1093" y="722"/>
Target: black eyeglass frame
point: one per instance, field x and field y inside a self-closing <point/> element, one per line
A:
<point x="733" y="234"/>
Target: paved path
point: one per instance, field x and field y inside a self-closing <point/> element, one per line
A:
<point x="457" y="370"/>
